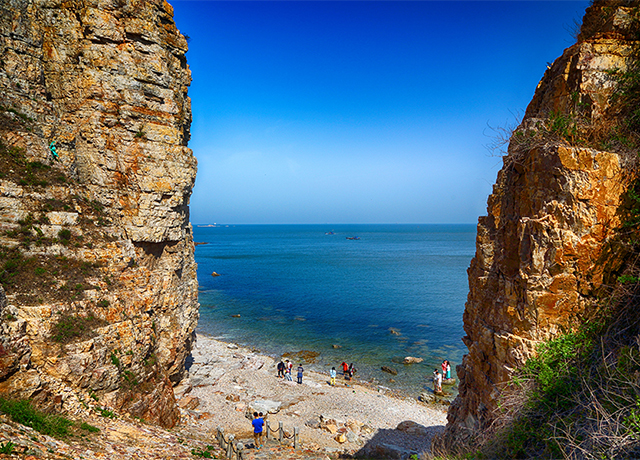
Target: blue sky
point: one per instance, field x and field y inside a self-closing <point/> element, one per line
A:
<point x="359" y="112"/>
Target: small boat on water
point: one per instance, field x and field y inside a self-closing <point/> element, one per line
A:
<point x="353" y="237"/>
<point x="329" y="233"/>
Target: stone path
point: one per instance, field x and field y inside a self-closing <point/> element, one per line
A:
<point x="273" y="450"/>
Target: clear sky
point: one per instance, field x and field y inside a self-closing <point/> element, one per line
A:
<point x="359" y="112"/>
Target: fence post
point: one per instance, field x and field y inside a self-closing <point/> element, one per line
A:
<point x="230" y="446"/>
<point x="295" y="437"/>
<point x="281" y="432"/>
<point x="220" y="434"/>
<point x="240" y="448"/>
<point x="266" y="424"/>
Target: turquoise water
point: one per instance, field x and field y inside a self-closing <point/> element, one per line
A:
<point x="297" y="288"/>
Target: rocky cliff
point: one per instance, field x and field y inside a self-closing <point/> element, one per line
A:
<point x="542" y="251"/>
<point x="96" y="251"/>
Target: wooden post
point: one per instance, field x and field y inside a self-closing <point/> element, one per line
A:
<point x="281" y="432"/>
<point x="221" y="439"/>
<point x="295" y="437"/>
<point x="230" y="446"/>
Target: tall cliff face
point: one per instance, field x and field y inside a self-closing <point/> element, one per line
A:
<point x="541" y="252"/>
<point x="95" y="240"/>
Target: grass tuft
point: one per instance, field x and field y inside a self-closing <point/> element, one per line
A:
<point x="24" y="413"/>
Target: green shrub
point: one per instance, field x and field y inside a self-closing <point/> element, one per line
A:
<point x="7" y="448"/>
<point x="64" y="235"/>
<point x="70" y="327"/>
<point x="24" y="413"/>
<point x="89" y="428"/>
<point x="105" y="412"/>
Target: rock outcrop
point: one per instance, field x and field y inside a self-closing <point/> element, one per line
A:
<point x="541" y="252"/>
<point x="95" y="178"/>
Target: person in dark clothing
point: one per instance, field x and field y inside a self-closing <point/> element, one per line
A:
<point x="300" y="371"/>
<point x="281" y="369"/>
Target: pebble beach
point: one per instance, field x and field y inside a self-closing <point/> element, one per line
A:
<point x="227" y="382"/>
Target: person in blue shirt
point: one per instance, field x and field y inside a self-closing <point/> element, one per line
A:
<point x="258" y="423"/>
<point x="300" y="371"/>
<point x="332" y="374"/>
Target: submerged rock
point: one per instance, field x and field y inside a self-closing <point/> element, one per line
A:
<point x="389" y="370"/>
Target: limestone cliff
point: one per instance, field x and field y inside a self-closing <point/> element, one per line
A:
<point x="541" y="253"/>
<point x="95" y="179"/>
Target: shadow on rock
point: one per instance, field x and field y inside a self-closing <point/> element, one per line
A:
<point x="408" y="438"/>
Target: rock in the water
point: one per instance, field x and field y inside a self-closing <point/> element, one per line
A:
<point x="412" y="360"/>
<point x="389" y="370"/>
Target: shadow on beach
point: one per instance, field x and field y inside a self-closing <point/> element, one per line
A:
<point x="400" y="443"/>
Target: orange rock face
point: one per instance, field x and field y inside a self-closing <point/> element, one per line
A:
<point x="553" y="209"/>
<point x="106" y="305"/>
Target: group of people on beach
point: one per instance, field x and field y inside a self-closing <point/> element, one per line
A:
<point x="286" y="369"/>
<point x="347" y="370"/>
<point x="438" y="377"/>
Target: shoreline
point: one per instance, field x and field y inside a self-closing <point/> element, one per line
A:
<point x="392" y="386"/>
<point x="226" y="380"/>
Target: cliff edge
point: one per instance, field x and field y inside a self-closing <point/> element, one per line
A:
<point x="99" y="295"/>
<point x="542" y="253"/>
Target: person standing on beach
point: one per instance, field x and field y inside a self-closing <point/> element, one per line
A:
<point x="300" y="371"/>
<point x="258" y="423"/>
<point x="345" y="370"/>
<point x="332" y="374"/>
<point x="352" y="370"/>
<point x="447" y="372"/>
<point x="437" y="381"/>
<point x="281" y="369"/>
<point x="287" y="374"/>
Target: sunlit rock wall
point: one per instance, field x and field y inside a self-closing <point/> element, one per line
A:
<point x="541" y="250"/>
<point x="106" y="80"/>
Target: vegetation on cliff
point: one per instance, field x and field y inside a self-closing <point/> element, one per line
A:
<point x="579" y="396"/>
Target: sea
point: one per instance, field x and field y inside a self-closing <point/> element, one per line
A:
<point x="370" y="295"/>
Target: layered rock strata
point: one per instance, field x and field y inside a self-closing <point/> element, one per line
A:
<point x="540" y="251"/>
<point x="95" y="180"/>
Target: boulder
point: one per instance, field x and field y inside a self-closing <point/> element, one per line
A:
<point x="312" y="423"/>
<point x="189" y="402"/>
<point x="412" y="360"/>
<point x="412" y="428"/>
<point x="330" y="427"/>
<point x="351" y="436"/>
<point x="389" y="370"/>
<point x="266" y="406"/>
<point x="384" y="450"/>
<point x="354" y="426"/>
